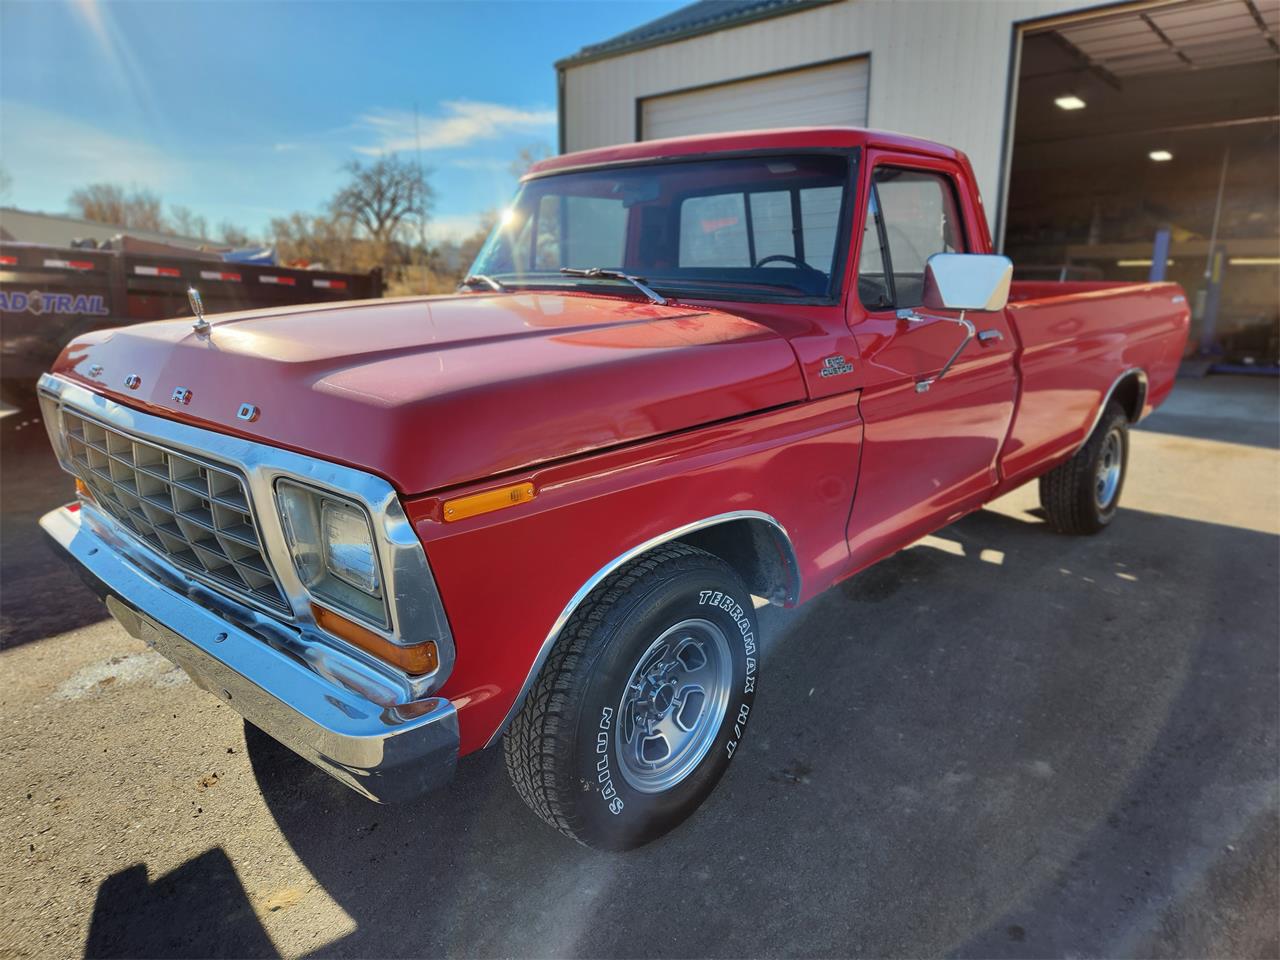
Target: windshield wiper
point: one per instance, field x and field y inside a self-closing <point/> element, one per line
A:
<point x="481" y="280"/>
<point x="596" y="273"/>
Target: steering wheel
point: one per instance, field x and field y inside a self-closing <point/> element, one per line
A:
<point x="796" y="261"/>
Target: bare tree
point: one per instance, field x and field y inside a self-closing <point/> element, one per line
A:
<point x="188" y="223"/>
<point x="233" y="235"/>
<point x="308" y="240"/>
<point x="527" y="157"/>
<point x="383" y="198"/>
<point x="111" y="203"/>
<point x="101" y="202"/>
<point x="145" y="212"/>
<point x="6" y="183"/>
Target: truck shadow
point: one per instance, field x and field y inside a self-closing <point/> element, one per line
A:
<point x="198" y="910"/>
<point x="1007" y="743"/>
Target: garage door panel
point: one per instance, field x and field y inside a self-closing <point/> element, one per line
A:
<point x="831" y="95"/>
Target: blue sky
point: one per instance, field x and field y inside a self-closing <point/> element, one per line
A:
<point x="247" y="110"/>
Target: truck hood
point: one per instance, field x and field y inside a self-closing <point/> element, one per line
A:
<point x="437" y="391"/>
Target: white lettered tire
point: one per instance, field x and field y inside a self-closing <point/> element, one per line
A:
<point x="642" y="702"/>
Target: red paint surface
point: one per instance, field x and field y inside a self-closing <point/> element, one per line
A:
<point x="434" y="392"/>
<point x="633" y="419"/>
<point x="506" y="576"/>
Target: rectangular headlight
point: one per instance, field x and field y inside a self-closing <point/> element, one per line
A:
<point x="349" y="546"/>
<point x="331" y="540"/>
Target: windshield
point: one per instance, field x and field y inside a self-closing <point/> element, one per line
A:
<point x="767" y="227"/>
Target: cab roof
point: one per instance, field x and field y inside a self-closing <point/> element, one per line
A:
<point x="797" y="138"/>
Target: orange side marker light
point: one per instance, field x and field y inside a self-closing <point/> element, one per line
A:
<point x="475" y="504"/>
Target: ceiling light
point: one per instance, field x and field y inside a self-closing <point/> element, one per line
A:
<point x="1254" y="261"/>
<point x="1070" y="102"/>
<point x="1160" y="156"/>
<point x="1139" y="263"/>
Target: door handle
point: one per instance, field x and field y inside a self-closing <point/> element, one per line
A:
<point x="922" y="386"/>
<point x="990" y="336"/>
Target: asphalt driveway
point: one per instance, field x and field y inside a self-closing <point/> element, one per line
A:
<point x="1000" y="742"/>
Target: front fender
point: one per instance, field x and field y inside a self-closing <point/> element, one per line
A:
<point x="509" y="579"/>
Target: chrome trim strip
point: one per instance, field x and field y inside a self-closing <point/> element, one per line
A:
<point x="613" y="565"/>
<point x="319" y="702"/>
<point x="1102" y="408"/>
<point x="416" y="609"/>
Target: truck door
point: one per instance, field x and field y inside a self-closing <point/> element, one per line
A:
<point x="928" y="457"/>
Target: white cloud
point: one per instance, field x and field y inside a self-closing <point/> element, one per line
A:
<point x="463" y="122"/>
<point x="50" y="154"/>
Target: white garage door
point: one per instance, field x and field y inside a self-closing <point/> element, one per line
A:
<point x="833" y="95"/>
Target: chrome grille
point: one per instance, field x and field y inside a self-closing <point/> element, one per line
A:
<point x="192" y="512"/>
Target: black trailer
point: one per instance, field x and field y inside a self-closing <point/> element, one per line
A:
<point x="49" y="295"/>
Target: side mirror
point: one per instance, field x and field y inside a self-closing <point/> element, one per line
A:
<point x="967" y="281"/>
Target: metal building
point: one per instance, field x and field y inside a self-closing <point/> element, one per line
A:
<point x="1109" y="140"/>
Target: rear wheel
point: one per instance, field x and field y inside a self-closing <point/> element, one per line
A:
<point x="1082" y="495"/>
<point x="642" y="702"/>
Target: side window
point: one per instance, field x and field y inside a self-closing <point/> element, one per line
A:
<point x="918" y="218"/>
<point x="873" y="280"/>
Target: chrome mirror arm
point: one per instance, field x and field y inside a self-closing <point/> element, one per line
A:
<point x="922" y="386"/>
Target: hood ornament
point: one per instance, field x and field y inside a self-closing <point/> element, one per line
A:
<point x="201" y="325"/>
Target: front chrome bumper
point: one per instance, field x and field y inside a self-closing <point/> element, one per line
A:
<point x="320" y="704"/>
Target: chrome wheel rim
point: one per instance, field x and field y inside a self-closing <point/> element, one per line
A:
<point x="1110" y="461"/>
<point x="673" y="705"/>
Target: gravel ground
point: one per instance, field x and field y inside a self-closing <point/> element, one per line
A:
<point x="997" y="743"/>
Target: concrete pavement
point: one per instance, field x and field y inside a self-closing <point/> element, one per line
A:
<point x="1000" y="742"/>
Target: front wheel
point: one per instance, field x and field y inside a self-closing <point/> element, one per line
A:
<point x="642" y="702"/>
<point x="1083" y="494"/>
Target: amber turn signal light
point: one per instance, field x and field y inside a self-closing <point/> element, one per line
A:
<point x="477" y="503"/>
<point x="83" y="491"/>
<point x="415" y="660"/>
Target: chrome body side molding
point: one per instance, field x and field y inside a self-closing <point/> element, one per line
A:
<point x="599" y="576"/>
<point x="1141" y="376"/>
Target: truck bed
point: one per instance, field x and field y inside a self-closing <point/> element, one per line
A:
<point x="1075" y="340"/>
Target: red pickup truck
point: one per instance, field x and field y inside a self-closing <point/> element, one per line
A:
<point x="683" y="374"/>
